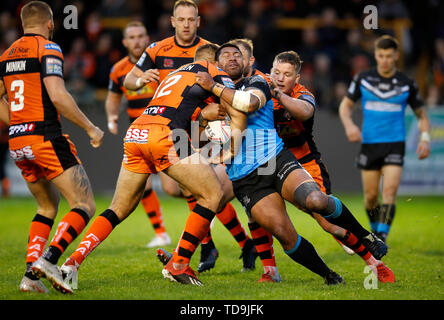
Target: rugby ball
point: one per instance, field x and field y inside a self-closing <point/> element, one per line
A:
<point x="218" y="131"/>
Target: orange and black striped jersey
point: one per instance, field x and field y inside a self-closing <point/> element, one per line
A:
<point x="167" y="55"/>
<point x="179" y="99"/>
<point x="296" y="134"/>
<point x="256" y="72"/>
<point x="23" y="66"/>
<point x="137" y="100"/>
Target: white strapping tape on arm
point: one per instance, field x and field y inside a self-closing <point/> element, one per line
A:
<point x="241" y="100"/>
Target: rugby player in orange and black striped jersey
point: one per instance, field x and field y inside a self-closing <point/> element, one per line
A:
<point x="158" y="60"/>
<point x="31" y="75"/>
<point x="135" y="40"/>
<point x="294" y="109"/>
<point x="162" y="57"/>
<point x="158" y="141"/>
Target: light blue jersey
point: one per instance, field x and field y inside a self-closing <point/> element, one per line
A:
<point x="261" y="141"/>
<point x="384" y="101"/>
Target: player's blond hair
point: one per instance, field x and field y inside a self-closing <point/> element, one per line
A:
<point x="35" y="13"/>
<point x="185" y="3"/>
<point x="206" y="52"/>
<point x="133" y="24"/>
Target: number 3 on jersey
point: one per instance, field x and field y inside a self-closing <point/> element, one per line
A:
<point x="17" y="86"/>
<point x="161" y="90"/>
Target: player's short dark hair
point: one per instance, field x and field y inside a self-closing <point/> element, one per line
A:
<point x="226" y="45"/>
<point x="206" y="49"/>
<point x="245" y="43"/>
<point x="186" y="3"/>
<point x="133" y="24"/>
<point x="35" y="13"/>
<point x="290" y="57"/>
<point x="386" y="42"/>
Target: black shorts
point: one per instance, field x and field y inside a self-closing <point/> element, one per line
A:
<point x="256" y="186"/>
<point x="373" y="156"/>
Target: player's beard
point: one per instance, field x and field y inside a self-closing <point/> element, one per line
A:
<point x="136" y="53"/>
<point x="236" y="75"/>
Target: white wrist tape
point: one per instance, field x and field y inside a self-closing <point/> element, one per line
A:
<point x="111" y="125"/>
<point x="425" y="136"/>
<point x="139" y="82"/>
<point x="241" y="100"/>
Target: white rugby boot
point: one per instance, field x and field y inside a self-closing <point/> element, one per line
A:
<point x="29" y="285"/>
<point x="45" y="269"/>
<point x="69" y="271"/>
<point x="159" y="240"/>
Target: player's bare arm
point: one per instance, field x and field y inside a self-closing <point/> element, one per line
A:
<point x="245" y="101"/>
<point x="238" y="124"/>
<point x="136" y="78"/>
<point x="65" y="104"/>
<point x="345" y="114"/>
<point x="299" y="109"/>
<point x="4" y="108"/>
<point x="112" y="107"/>
<point x="423" y="150"/>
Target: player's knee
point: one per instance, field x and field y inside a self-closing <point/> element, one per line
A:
<point x="172" y="190"/>
<point x="302" y="193"/>
<point x="316" y="201"/>
<point x="389" y="194"/>
<point x="211" y="198"/>
<point x="87" y="206"/>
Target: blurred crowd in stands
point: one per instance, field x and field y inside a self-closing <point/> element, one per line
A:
<point x="332" y="54"/>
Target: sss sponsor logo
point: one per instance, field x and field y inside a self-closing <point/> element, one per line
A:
<point x="21" y="128"/>
<point x="22" y="154"/>
<point x="137" y="135"/>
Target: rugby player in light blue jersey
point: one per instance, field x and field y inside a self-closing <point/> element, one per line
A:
<point x="385" y="93"/>
<point x="264" y="173"/>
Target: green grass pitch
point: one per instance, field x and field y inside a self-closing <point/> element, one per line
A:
<point x="123" y="268"/>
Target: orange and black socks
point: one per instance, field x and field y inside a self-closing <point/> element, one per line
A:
<point x="99" y="230"/>
<point x="229" y="219"/>
<point x="356" y="245"/>
<point x="196" y="228"/>
<point x="263" y="240"/>
<point x="68" y="229"/>
<point x="151" y="205"/>
<point x="191" y="201"/>
<point x="38" y="236"/>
